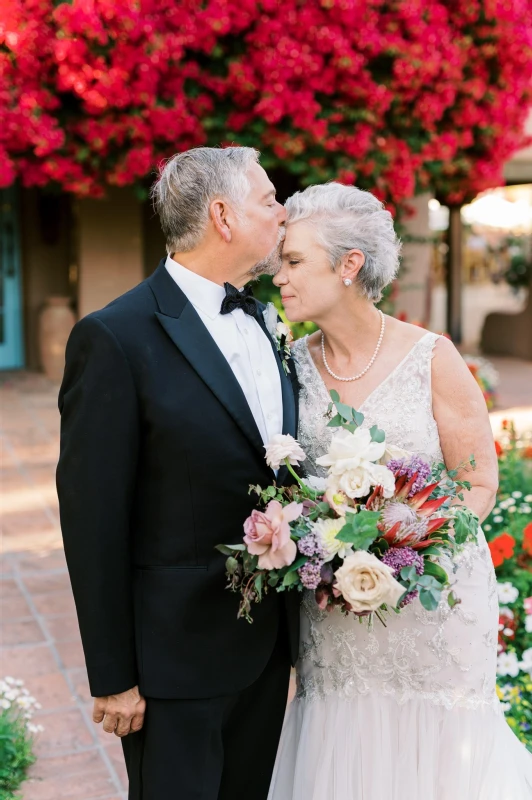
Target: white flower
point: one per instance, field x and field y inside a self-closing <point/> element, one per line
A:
<point x="366" y="583"/>
<point x="281" y="329"/>
<point x="353" y="483"/>
<point x="5" y="704"/>
<point x="517" y="494"/>
<point x="382" y="476"/>
<point x="528" y="498"/>
<point x="526" y="662"/>
<point x="496" y="511"/>
<point x="487" y="527"/>
<point x="271" y="318"/>
<point x="507" y="592"/>
<point x="525" y="509"/>
<point x="326" y="531"/>
<point x="283" y="446"/>
<point x="505" y="707"/>
<point x="348" y="451"/>
<point x="393" y="453"/>
<point x="504" y="611"/>
<point x="34" y="728"/>
<point x="528" y="623"/>
<point x="315" y="483"/>
<point x="508" y="632"/>
<point x="507" y="664"/>
<point x="497" y="519"/>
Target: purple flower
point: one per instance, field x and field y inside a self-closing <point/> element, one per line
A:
<point x="310" y="574"/>
<point x="399" y="557"/>
<point x="402" y="466"/>
<point x="310" y="546"/>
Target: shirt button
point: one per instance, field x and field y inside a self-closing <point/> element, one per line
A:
<point x="246" y="331"/>
<point x="259" y="372"/>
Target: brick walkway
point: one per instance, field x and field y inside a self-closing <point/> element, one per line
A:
<point x="39" y="633"/>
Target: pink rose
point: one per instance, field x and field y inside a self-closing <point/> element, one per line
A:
<point x="267" y="534"/>
<point x="528" y="605"/>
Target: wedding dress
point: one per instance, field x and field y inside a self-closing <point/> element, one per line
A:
<point x="407" y="711"/>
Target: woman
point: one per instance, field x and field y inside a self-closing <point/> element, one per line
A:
<point x="408" y="711"/>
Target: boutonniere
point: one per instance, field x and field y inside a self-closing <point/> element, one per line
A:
<point x="280" y="333"/>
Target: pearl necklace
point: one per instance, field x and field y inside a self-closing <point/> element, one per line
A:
<point x="374" y="356"/>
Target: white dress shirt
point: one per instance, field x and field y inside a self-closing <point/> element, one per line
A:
<point x="243" y="343"/>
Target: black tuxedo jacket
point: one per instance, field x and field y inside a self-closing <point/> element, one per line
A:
<point x="158" y="449"/>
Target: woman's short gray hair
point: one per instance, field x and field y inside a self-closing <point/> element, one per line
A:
<point x="347" y="218"/>
<point x="190" y="181"/>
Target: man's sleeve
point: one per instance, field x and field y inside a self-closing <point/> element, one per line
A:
<point x="95" y="483"/>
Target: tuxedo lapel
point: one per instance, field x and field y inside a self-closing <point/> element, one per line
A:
<point x="183" y="325"/>
<point x="289" y="400"/>
<point x="289" y="407"/>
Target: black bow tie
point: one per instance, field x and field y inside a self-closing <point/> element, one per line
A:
<point x="234" y="299"/>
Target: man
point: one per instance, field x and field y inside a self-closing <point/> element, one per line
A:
<point x="169" y="395"/>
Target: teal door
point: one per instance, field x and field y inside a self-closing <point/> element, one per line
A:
<point x="11" y="341"/>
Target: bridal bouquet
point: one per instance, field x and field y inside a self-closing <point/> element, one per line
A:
<point x="369" y="538"/>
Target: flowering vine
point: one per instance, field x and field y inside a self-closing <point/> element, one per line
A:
<point x="398" y="96"/>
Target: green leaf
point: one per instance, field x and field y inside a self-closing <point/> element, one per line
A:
<point x="273" y="579"/>
<point x="429" y="599"/>
<point x="335" y="397"/>
<point x="453" y="600"/>
<point x="436" y="572"/>
<point x="258" y="584"/>
<point x="409" y="574"/>
<point x="297" y="563"/>
<point x="228" y="549"/>
<point x="336" y="422"/>
<point x="376" y="434"/>
<point x="360" y="529"/>
<point x="466" y="524"/>
<point x="290" y="578"/>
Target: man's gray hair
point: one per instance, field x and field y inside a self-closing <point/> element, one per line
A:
<point x="346" y="218"/>
<point x="190" y="181"/>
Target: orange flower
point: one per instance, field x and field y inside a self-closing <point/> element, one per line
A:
<point x="527" y="452"/>
<point x="498" y="449"/>
<point x="527" y="538"/>
<point x="502" y="548"/>
<point x="504" y="424"/>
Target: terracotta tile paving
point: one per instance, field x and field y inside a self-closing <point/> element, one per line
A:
<point x="39" y="637"/>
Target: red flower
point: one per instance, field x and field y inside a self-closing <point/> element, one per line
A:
<point x="527" y="452"/>
<point x="527" y="538"/>
<point x="501" y="548"/>
<point x="498" y="449"/>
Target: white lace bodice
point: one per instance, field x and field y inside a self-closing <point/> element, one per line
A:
<point x="401" y="405"/>
<point x="447" y="656"/>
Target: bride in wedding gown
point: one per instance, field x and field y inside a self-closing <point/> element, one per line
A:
<point x="407" y="711"/>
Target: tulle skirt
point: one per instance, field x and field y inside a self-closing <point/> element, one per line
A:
<point x="372" y="748"/>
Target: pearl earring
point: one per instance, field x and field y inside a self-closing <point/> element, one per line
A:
<point x="348" y="282"/>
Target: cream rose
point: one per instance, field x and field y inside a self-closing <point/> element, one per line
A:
<point x="393" y="453"/>
<point x="281" y="447"/>
<point x="349" y="450"/>
<point x="366" y="583"/>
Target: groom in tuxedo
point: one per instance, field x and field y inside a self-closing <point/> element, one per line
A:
<point x="169" y="396"/>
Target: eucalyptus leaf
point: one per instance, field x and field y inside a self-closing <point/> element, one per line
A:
<point x="231" y="565"/>
<point x="429" y="599"/>
<point x="360" y="529"/>
<point x="297" y="563"/>
<point x="336" y="422"/>
<point x="376" y="434"/>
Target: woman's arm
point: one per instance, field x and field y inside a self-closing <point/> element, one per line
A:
<point x="464" y="427"/>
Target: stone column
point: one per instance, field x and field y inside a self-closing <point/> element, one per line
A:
<point x="110" y="260"/>
<point x="413" y="298"/>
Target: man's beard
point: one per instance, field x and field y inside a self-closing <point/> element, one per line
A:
<point x="272" y="263"/>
